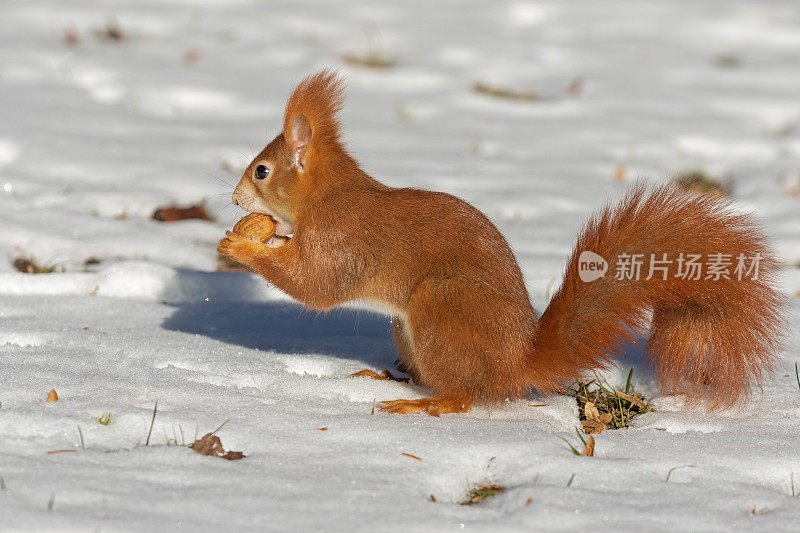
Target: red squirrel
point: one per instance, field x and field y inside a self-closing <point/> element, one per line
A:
<point x="462" y="318"/>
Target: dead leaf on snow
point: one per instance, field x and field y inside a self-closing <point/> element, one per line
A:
<point x="211" y="445"/>
<point x="52" y="396"/>
<point x="173" y="213"/>
<point x="589" y="450"/>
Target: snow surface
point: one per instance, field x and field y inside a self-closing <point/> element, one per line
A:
<point x="94" y="137"/>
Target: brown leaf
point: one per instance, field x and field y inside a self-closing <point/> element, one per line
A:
<point x="323" y="429"/>
<point x="211" y="445"/>
<point x="635" y="399"/>
<point x="592" y="426"/>
<point x="589" y="450"/>
<point x="590" y="411"/>
<point x="173" y="213"/>
<point x="52" y="396"/>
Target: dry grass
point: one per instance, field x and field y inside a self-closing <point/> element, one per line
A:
<point x="603" y="407"/>
<point x="727" y="61"/>
<point x="30" y="266"/>
<point x="505" y="93"/>
<point x="372" y="58"/>
<point x="481" y="492"/>
<point x="699" y="182"/>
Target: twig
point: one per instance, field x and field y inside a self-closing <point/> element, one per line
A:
<point x="675" y="468"/>
<point x="152" y="422"/>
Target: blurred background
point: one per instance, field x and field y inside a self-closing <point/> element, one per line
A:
<point x="535" y="112"/>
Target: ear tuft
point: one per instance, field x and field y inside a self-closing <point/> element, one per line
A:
<point x="312" y="109"/>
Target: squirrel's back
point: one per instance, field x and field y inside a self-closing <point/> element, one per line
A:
<point x="404" y="235"/>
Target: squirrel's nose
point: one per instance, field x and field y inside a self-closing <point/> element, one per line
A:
<point x="235" y="201"/>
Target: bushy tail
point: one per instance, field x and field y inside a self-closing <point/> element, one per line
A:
<point x="713" y="331"/>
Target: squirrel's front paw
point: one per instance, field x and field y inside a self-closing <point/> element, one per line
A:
<point x="240" y="249"/>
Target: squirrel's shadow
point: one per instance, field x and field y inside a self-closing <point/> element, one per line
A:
<point x="230" y="315"/>
<point x="283" y="326"/>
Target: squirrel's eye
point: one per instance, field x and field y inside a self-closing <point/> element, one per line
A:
<point x="261" y="172"/>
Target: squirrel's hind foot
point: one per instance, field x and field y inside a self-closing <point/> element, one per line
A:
<point x="432" y="406"/>
<point x="385" y="376"/>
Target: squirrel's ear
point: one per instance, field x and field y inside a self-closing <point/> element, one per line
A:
<point x="299" y="137"/>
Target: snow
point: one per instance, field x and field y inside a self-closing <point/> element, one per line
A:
<point x="95" y="137"/>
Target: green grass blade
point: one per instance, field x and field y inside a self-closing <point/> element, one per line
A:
<point x="220" y="426"/>
<point x="571" y="447"/>
<point x="580" y="436"/>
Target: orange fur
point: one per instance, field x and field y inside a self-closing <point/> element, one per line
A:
<point x="463" y="321"/>
<point x="709" y="339"/>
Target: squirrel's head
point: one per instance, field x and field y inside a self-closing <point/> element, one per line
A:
<point x="280" y="180"/>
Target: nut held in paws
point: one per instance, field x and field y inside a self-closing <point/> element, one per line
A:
<point x="256" y="226"/>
